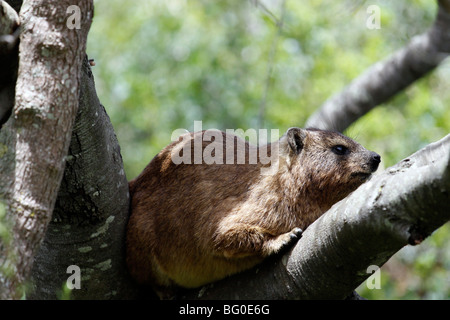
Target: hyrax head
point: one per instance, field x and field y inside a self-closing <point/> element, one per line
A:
<point x="328" y="162"/>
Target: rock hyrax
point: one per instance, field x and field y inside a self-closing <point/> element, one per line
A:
<point x="192" y="224"/>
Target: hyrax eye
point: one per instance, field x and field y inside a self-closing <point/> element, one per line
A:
<point x="340" y="150"/>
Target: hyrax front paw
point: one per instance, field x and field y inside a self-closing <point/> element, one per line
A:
<point x="281" y="242"/>
<point x="292" y="236"/>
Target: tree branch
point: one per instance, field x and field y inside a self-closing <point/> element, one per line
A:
<point x="402" y="205"/>
<point x="91" y="212"/>
<point x="50" y="60"/>
<point x="387" y="78"/>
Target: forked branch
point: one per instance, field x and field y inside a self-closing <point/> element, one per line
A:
<point x="386" y="78"/>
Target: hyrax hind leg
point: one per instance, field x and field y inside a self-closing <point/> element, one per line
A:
<point x="242" y="240"/>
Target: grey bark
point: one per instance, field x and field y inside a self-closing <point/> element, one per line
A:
<point x="400" y="206"/>
<point x="91" y="211"/>
<point x="386" y="78"/>
<point x="46" y="102"/>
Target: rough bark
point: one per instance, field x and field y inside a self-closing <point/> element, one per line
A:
<point x="46" y="103"/>
<point x="401" y="206"/>
<point x="386" y="78"/>
<point x="91" y="211"/>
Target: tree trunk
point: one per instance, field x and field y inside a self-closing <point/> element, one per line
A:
<point x="46" y="103"/>
<point x="91" y="212"/>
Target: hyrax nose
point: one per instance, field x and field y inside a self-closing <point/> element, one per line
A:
<point x="375" y="160"/>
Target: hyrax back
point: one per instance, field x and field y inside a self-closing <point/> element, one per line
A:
<point x="203" y="210"/>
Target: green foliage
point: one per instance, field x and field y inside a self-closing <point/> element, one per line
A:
<point x="5" y="236"/>
<point x="65" y="293"/>
<point x="7" y="258"/>
<point x="163" y="64"/>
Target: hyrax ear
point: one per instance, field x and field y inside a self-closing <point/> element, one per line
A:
<point x="296" y="138"/>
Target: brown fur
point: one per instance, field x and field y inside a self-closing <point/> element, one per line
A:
<point x="193" y="224"/>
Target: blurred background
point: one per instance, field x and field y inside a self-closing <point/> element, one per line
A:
<point x="161" y="65"/>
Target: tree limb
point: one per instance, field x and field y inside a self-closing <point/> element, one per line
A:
<point x="91" y="211"/>
<point x="402" y="205"/>
<point x="50" y="60"/>
<point x="385" y="79"/>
